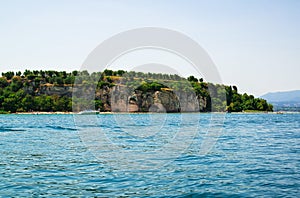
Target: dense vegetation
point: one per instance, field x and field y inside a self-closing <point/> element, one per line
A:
<point x="25" y="91"/>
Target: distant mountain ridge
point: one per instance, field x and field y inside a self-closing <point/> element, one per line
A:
<point x="285" y="96"/>
<point x="284" y="101"/>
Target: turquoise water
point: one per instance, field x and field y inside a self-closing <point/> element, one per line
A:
<point x="53" y="156"/>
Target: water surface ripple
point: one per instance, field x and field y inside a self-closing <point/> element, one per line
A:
<point x="256" y="155"/>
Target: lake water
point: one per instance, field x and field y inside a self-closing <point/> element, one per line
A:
<point x="132" y="155"/>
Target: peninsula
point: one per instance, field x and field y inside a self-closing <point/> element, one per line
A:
<point x="119" y="91"/>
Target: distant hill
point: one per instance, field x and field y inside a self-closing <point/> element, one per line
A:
<point x="286" y="101"/>
<point x="286" y="96"/>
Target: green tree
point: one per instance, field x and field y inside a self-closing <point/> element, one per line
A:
<point x="120" y="72"/>
<point x="74" y="73"/>
<point x="28" y="103"/>
<point x="10" y="104"/>
<point x="8" y="75"/>
<point x="192" y="79"/>
<point x="69" y="80"/>
<point x="59" y="80"/>
<point x="108" y="72"/>
<point x="3" y="82"/>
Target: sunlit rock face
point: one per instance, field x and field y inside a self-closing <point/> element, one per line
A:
<point x="162" y="101"/>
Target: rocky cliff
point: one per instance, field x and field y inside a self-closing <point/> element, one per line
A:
<point x="121" y="99"/>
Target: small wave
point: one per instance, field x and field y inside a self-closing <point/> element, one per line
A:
<point x="61" y="128"/>
<point x="3" y="129"/>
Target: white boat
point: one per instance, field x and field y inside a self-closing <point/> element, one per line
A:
<point x="88" y="112"/>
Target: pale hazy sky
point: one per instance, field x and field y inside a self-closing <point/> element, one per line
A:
<point x="255" y="44"/>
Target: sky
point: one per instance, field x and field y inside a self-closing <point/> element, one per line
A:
<point x="255" y="44"/>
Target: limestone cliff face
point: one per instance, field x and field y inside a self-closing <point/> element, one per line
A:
<point x="120" y="99"/>
<point x="165" y="100"/>
<point x="56" y="90"/>
<point x="104" y="95"/>
<point x="190" y="102"/>
<point x="158" y="101"/>
<point x="124" y="100"/>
